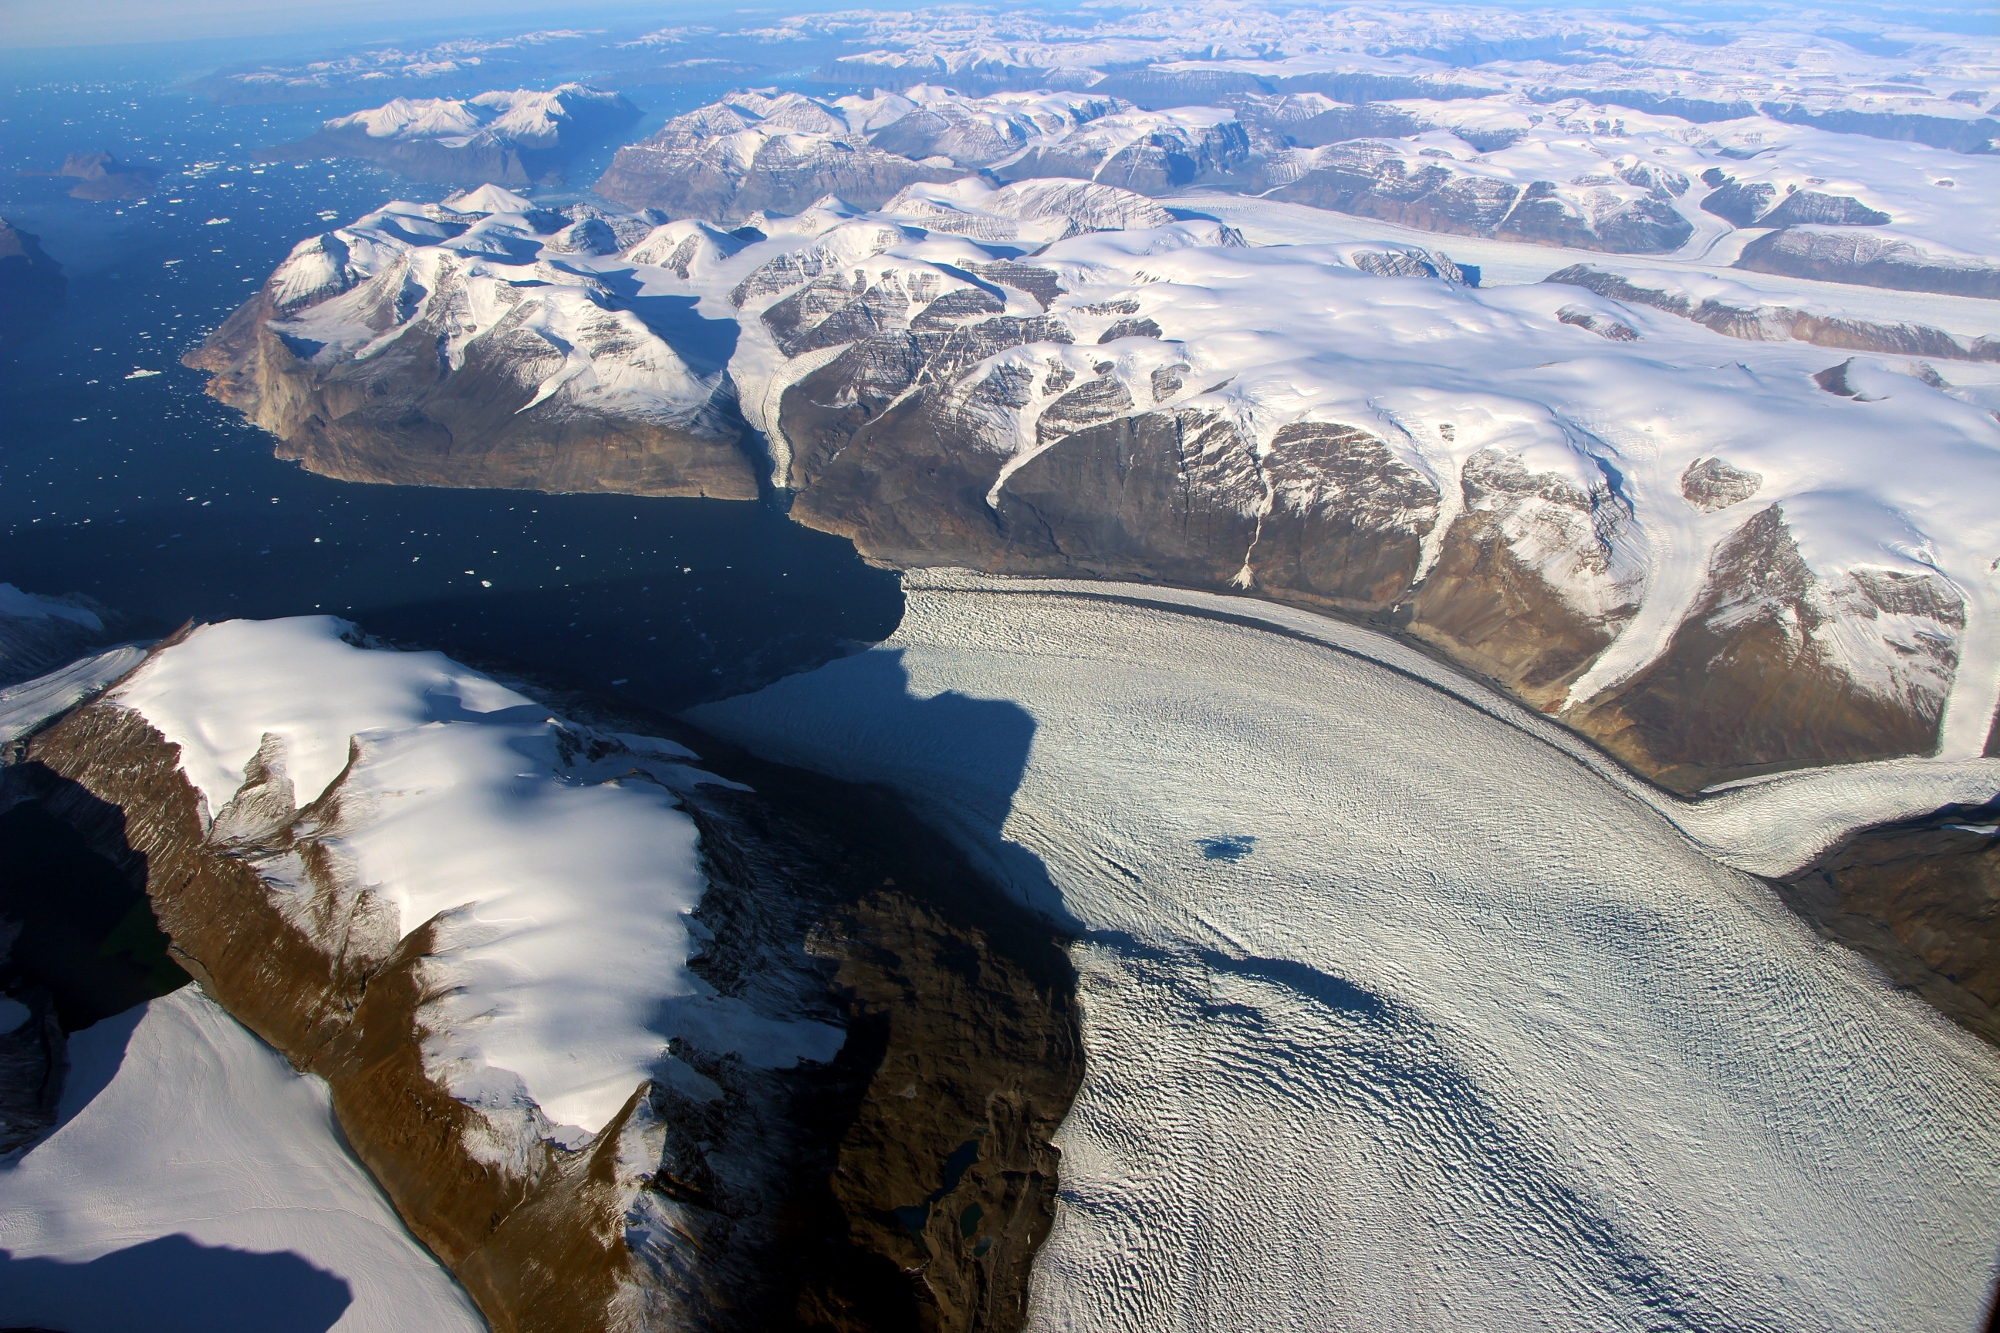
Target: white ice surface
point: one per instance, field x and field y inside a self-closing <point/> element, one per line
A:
<point x="197" y="1129"/>
<point x="25" y="706"/>
<point x="1276" y="222"/>
<point x="561" y="892"/>
<point x="1469" y="1037"/>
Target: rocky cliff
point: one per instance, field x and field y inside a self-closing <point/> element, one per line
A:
<point x="1922" y="898"/>
<point x="1871" y="261"/>
<point x="904" y="1183"/>
<point x="1568" y="488"/>
<point x="1741" y="313"/>
<point x="507" y="363"/>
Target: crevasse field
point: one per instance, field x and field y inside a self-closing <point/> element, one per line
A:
<point x="1398" y="1012"/>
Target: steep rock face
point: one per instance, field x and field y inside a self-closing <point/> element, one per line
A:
<point x="449" y="368"/>
<point x="1742" y="315"/>
<point x="1374" y="180"/>
<point x="1775" y="666"/>
<point x="1952" y="134"/>
<point x="904" y="1185"/>
<point x="1529" y="584"/>
<point x="1870" y="261"/>
<point x="1326" y="515"/>
<point x="1922" y="898"/>
<point x="1749" y="204"/>
<point x="31" y="286"/>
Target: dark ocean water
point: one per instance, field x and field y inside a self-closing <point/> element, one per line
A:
<point x="140" y="491"/>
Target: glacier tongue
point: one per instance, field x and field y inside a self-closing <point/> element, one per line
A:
<point x="1397" y="1014"/>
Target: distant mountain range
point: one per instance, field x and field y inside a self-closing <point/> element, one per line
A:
<point x="507" y="137"/>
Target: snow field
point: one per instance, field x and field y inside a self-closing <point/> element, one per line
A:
<point x="560" y="890"/>
<point x="1398" y="1014"/>
<point x="198" y="1130"/>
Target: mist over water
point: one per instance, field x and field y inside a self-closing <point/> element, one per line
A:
<point x="120" y="479"/>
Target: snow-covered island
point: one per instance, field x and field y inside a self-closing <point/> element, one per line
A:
<point x="511" y="137"/>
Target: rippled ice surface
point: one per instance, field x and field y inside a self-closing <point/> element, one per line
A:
<point x="1469" y="1036"/>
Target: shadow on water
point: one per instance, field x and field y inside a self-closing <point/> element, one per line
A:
<point x="173" y="1285"/>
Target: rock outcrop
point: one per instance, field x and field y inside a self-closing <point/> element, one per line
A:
<point x="905" y="1184"/>
<point x="1871" y="261"/>
<point x="102" y="178"/>
<point x="1920" y="897"/>
<point x="1741" y="314"/>
<point x="1761" y="674"/>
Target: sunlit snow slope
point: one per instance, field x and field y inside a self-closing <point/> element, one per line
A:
<point x="197" y="1181"/>
<point x="1399" y="1016"/>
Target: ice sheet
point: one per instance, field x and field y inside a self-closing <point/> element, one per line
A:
<point x="1399" y="1015"/>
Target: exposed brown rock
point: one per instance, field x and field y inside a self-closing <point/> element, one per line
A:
<point x="1922" y="899"/>
<point x="1745" y="688"/>
<point x="1763" y="323"/>
<point x="101" y="177"/>
<point x="1489" y="611"/>
<point x="905" y="1186"/>
<point x="1710" y="484"/>
<point x="392" y="417"/>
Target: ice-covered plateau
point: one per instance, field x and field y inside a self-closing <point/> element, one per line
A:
<point x="511" y="137"/>
<point x="781" y="152"/>
<point x="1781" y="195"/>
<point x="626" y="1041"/>
<point x="1716" y="556"/>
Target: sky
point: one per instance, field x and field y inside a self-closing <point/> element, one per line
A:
<point x="39" y="23"/>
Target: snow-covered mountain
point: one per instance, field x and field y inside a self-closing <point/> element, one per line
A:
<point x="581" y="1006"/>
<point x="550" y="377"/>
<point x="1698" y="548"/>
<point x="780" y="152"/>
<point x="508" y="137"/>
<point x="1507" y="164"/>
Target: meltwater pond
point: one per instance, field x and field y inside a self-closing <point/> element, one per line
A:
<point x="120" y="479"/>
